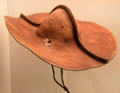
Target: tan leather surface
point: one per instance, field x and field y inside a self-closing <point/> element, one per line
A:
<point x="63" y="51"/>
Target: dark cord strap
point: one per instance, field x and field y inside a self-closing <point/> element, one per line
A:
<point x="63" y="84"/>
<point x="75" y="32"/>
<point x="29" y="21"/>
<point x="62" y="77"/>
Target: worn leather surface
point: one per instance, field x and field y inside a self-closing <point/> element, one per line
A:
<point x="63" y="50"/>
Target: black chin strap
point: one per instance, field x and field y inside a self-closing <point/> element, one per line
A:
<point x="63" y="84"/>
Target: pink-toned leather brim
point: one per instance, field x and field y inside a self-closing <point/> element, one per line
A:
<point x="68" y="56"/>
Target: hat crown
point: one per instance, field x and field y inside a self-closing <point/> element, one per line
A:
<point x="56" y="25"/>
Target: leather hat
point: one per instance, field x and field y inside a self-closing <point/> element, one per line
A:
<point x="63" y="41"/>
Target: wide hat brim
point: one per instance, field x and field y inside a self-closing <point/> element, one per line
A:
<point x="67" y="56"/>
